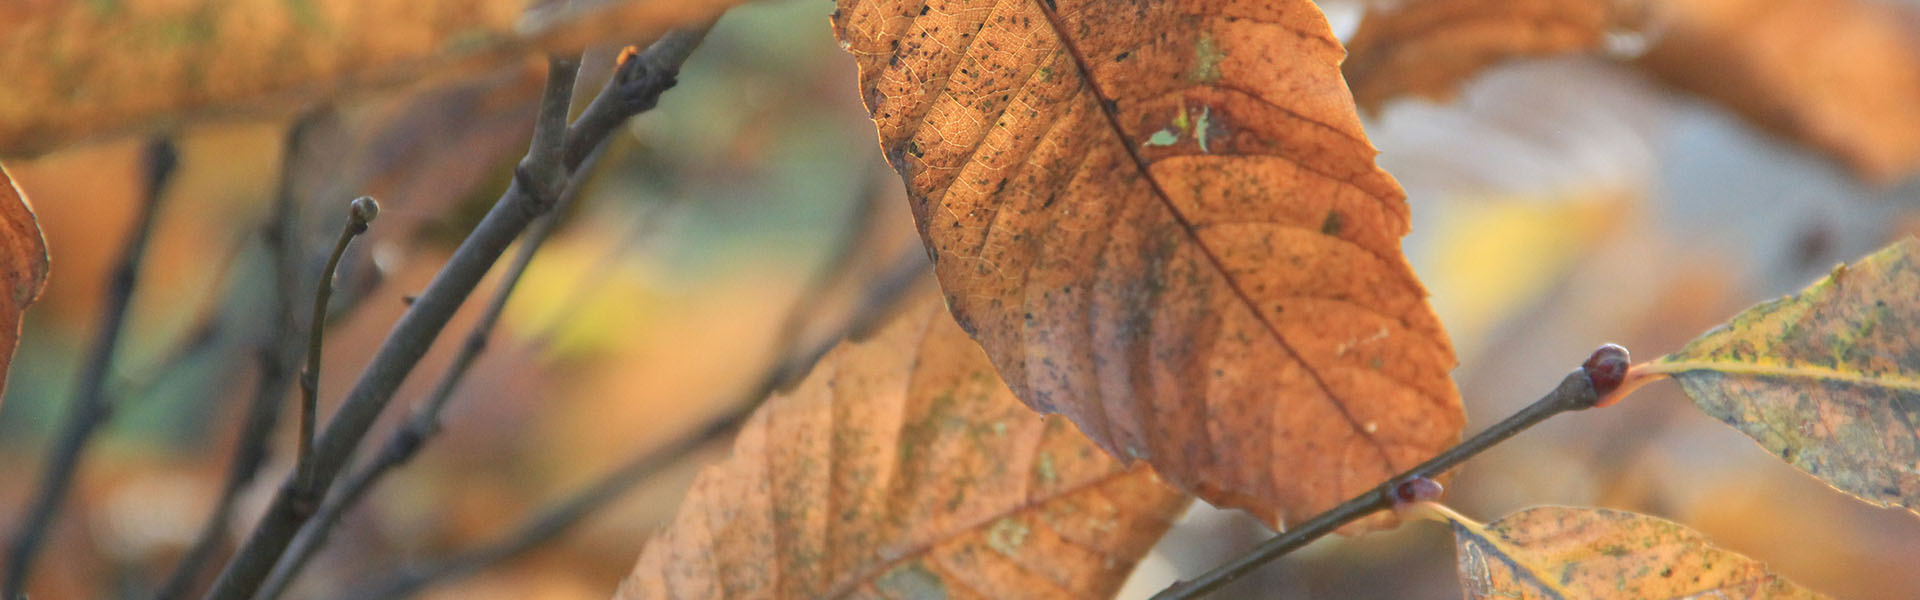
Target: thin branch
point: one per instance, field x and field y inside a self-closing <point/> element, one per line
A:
<point x="360" y="213"/>
<point x="1575" y="392"/>
<point x="91" y="407"/>
<point x="529" y="195"/>
<point x="416" y="330"/>
<point x="425" y="422"/>
<point x="882" y="295"/>
<point x="279" y="349"/>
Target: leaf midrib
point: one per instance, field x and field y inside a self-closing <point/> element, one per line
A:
<point x="1754" y="369"/>
<point x="1105" y="102"/>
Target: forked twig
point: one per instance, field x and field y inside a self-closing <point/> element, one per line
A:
<point x="425" y="422"/>
<point x="536" y="184"/>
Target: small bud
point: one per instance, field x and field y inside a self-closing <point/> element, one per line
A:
<point x="364" y="209"/>
<point x="1417" y="489"/>
<point x="1606" y="368"/>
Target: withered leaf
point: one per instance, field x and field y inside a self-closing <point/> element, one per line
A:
<point x="23" y="267"/>
<point x="82" y="70"/>
<point x="1427" y="48"/>
<point x="1566" y="553"/>
<point x="1827" y="379"/>
<point x="902" y="467"/>
<point x="1162" y="219"/>
<point x="1839" y="75"/>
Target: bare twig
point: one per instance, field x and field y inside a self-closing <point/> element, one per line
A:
<point x="425" y="422"/>
<point x="90" y="407"/>
<point x="279" y="350"/>
<point x="535" y="185"/>
<point x="1575" y="392"/>
<point x="882" y="295"/>
<point x="361" y="212"/>
<point x="527" y="197"/>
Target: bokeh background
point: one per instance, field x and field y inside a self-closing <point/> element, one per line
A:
<point x="1558" y="204"/>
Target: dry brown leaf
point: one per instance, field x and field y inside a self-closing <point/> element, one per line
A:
<point x="1171" y="230"/>
<point x="1839" y="75"/>
<point x="1565" y="552"/>
<point x="1428" y="47"/>
<point x="902" y="467"/>
<point x="1828" y="379"/>
<point x="83" y="70"/>
<point x="23" y="267"/>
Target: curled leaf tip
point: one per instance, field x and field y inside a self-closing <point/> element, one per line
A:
<point x="1606" y="369"/>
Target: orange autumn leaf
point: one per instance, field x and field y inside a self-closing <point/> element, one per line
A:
<point x="1427" y="48"/>
<point x="1827" y="379"/>
<point x="87" y="70"/>
<point x="23" y="267"/>
<point x="1565" y="552"/>
<point x="1842" y="76"/>
<point x="1163" y="220"/>
<point x="902" y="467"/>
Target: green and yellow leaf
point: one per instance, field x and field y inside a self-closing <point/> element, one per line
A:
<point x="1827" y="379"/>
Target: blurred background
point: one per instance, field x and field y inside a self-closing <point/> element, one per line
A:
<point x="1559" y="203"/>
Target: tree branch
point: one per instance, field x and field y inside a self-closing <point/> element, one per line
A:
<point x="1579" y="390"/>
<point x="298" y="498"/>
<point x="90" y="407"/>
<point x="425" y="422"/>
<point x="534" y="187"/>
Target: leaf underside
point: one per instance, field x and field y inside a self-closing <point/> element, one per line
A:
<point x="1827" y="379"/>
<point x="1567" y="553"/>
<point x="1162" y="219"/>
<point x="902" y="467"/>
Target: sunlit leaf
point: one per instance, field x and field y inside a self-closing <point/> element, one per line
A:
<point x="1567" y="553"/>
<point x="902" y="467"/>
<point x="1827" y="379"/>
<point x="23" y="267"/>
<point x="1428" y="47"/>
<point x="79" y="70"/>
<point x="1162" y="219"/>
<point x="1839" y="75"/>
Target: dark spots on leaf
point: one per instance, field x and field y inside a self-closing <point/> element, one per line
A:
<point x="924" y="9"/>
<point x="1111" y="106"/>
<point x="1333" y="223"/>
<point x="1122" y="56"/>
